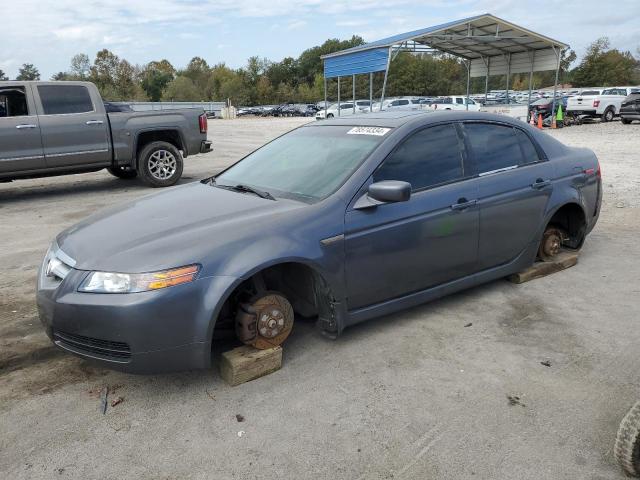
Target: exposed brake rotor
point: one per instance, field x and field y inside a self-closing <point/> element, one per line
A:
<point x="265" y="321"/>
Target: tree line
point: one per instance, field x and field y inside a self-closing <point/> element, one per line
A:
<point x="262" y="81"/>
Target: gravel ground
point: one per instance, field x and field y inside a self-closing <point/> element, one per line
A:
<point x="411" y="395"/>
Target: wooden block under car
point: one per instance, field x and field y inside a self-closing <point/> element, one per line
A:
<point x="246" y="363"/>
<point x="563" y="260"/>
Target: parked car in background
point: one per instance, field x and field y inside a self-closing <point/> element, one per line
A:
<point x="630" y="108"/>
<point x="454" y="102"/>
<point x="346" y="108"/>
<point x="56" y="128"/>
<point x="544" y="106"/>
<point x="341" y="221"/>
<point x="604" y="106"/>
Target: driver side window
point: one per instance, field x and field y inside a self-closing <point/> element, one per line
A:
<point x="426" y="159"/>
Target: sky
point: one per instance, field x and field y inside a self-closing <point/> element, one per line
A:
<point x="48" y="33"/>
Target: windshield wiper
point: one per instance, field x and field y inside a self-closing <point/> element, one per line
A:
<point x="247" y="189"/>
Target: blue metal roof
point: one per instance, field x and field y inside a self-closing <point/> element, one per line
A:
<point x="358" y="62"/>
<point x="477" y="37"/>
<point x="402" y="37"/>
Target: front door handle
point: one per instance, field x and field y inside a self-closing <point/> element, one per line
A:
<point x="95" y="122"/>
<point x="26" y="125"/>
<point x="463" y="204"/>
<point x="540" y="184"/>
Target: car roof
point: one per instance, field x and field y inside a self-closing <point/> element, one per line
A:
<point x="396" y="118"/>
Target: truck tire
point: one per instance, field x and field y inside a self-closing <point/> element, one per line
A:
<point x="160" y="164"/>
<point x="625" y="121"/>
<point x="627" y="446"/>
<point x="122" y="172"/>
<point x="608" y="114"/>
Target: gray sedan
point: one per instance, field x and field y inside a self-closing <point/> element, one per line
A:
<point x="341" y="220"/>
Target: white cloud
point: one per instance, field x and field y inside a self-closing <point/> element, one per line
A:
<point x="296" y="24"/>
<point x="48" y="32"/>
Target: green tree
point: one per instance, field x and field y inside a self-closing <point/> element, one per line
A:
<point x="604" y="66"/>
<point x="181" y="89"/>
<point x="198" y="72"/>
<point x="28" y="72"/>
<point x="155" y="78"/>
<point x="80" y="66"/>
<point x="3" y="76"/>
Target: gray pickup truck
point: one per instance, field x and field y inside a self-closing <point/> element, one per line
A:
<point x="57" y="128"/>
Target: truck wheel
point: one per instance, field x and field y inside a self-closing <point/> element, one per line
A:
<point x="122" y="172"/>
<point x="608" y="115"/>
<point x="160" y="164"/>
<point x="627" y="446"/>
<point x="625" y="121"/>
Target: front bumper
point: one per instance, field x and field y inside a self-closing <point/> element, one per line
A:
<point x="150" y="332"/>
<point x="205" y="146"/>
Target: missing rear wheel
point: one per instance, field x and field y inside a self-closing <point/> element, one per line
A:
<point x="551" y="243"/>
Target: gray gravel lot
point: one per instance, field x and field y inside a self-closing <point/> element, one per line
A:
<point x="411" y="395"/>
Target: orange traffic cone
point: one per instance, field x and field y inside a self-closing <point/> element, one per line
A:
<point x="532" y="120"/>
<point x="540" y="121"/>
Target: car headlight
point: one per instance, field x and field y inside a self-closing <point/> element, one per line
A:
<point x="111" y="282"/>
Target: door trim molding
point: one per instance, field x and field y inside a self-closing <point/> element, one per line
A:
<point x="32" y="157"/>
<point x="84" y="152"/>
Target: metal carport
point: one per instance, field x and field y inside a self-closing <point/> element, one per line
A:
<point x="487" y="44"/>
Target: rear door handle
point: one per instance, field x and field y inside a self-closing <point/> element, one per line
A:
<point x="463" y="204"/>
<point x="95" y="122"/>
<point x="26" y="125"/>
<point x="540" y="183"/>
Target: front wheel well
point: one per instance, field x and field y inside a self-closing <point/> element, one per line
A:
<point x="572" y="220"/>
<point x="303" y="286"/>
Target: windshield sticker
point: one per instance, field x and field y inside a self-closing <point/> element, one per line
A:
<point x="378" y="131"/>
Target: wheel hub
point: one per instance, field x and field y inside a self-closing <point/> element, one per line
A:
<point x="551" y="244"/>
<point x="270" y="322"/>
<point x="265" y="322"/>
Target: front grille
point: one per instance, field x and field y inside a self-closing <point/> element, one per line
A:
<point x="109" y="350"/>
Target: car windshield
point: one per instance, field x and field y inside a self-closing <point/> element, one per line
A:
<point x="307" y="164"/>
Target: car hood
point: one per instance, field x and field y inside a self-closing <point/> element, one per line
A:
<point x="177" y="227"/>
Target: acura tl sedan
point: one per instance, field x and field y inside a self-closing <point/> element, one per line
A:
<point x="340" y="221"/>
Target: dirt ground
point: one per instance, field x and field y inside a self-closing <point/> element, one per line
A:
<point x="451" y="389"/>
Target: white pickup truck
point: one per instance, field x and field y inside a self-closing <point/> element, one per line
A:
<point x="605" y="106"/>
<point x="454" y="102"/>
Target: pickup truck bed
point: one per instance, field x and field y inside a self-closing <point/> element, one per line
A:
<point x="56" y="128"/>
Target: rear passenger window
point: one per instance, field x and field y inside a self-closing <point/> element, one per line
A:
<point x="429" y="157"/>
<point x="61" y="99"/>
<point x="13" y="102"/>
<point x="528" y="150"/>
<point x="494" y="147"/>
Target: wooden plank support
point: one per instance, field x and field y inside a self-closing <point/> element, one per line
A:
<point x="246" y="363"/>
<point x="564" y="259"/>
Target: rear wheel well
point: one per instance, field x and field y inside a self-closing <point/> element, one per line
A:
<point x="304" y="287"/>
<point x="572" y="220"/>
<point x="169" y="136"/>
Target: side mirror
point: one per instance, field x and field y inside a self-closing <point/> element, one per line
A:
<point x="386" y="191"/>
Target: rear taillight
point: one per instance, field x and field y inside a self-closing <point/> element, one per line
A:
<point x="596" y="103"/>
<point x="202" y="121"/>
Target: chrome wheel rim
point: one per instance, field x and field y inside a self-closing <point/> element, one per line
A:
<point x="162" y="164"/>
